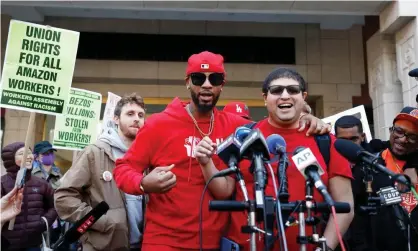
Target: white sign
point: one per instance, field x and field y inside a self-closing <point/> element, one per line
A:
<point x="358" y="112"/>
<point x="78" y="127"/>
<point x="112" y="100"/>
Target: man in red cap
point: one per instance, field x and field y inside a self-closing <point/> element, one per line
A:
<point x="166" y="146"/>
<point x="238" y="108"/>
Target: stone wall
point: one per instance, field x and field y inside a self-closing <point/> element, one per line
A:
<point x="330" y="60"/>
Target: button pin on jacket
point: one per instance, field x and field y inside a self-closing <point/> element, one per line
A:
<point x="107" y="176"/>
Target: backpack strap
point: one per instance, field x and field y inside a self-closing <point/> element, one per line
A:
<point x="324" y="145"/>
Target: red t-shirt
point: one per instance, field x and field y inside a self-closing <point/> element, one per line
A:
<point x="339" y="166"/>
<point x="172" y="218"/>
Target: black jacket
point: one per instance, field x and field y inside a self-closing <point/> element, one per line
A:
<point x="379" y="232"/>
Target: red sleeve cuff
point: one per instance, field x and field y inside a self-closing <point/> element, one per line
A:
<point x="136" y="182"/>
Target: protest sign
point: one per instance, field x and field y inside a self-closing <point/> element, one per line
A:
<point x="78" y="128"/>
<point x="112" y="100"/>
<point x="38" y="68"/>
<point x="358" y="112"/>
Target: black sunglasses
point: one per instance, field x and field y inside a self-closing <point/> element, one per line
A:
<point x="215" y="79"/>
<point x="278" y="89"/>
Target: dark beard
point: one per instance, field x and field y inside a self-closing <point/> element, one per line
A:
<point x="126" y="133"/>
<point x="404" y="157"/>
<point x="204" y="108"/>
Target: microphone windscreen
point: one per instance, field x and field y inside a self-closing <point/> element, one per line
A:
<point x="276" y="144"/>
<point x="241" y="133"/>
<point x="413" y="73"/>
<point x="348" y="149"/>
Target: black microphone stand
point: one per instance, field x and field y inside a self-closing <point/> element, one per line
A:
<point x="283" y="190"/>
<point x="308" y="206"/>
<point x="252" y="229"/>
<point x="257" y="207"/>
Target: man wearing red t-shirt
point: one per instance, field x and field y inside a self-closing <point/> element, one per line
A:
<point x="284" y="94"/>
<point x="167" y="145"/>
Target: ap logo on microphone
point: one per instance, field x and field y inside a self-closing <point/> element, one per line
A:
<point x="305" y="158"/>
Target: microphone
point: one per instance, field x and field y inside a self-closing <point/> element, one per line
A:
<point x="82" y="225"/>
<point x="355" y="153"/>
<point x="241" y="133"/>
<point x="255" y="147"/>
<point x="255" y="144"/>
<point x="277" y="146"/>
<point x="389" y="196"/>
<point x="307" y="164"/>
<point x="228" y="152"/>
<point x="413" y="73"/>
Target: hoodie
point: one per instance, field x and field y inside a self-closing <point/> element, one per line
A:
<point x="169" y="138"/>
<point x="38" y="201"/>
<point x="133" y="202"/>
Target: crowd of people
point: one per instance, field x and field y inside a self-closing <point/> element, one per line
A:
<point x="152" y="174"/>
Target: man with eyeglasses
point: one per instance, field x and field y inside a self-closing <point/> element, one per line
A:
<point x="167" y="145"/>
<point x="401" y="157"/>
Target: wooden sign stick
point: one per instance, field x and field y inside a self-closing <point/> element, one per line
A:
<point x="20" y="178"/>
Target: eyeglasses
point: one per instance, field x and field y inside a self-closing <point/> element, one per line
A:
<point x="215" y="79"/>
<point x="400" y="133"/>
<point x="278" y="89"/>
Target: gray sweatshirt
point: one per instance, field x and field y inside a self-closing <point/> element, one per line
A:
<point x="133" y="202"/>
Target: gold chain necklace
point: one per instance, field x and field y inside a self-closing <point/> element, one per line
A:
<point x="211" y="125"/>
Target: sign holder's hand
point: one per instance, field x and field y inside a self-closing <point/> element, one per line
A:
<point x="11" y="204"/>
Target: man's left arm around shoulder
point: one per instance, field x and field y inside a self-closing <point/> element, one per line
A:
<point x="315" y="125"/>
<point x="340" y="190"/>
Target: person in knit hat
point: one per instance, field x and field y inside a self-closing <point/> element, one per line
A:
<point x="38" y="201"/>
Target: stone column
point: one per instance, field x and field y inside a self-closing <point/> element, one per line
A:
<point x="392" y="53"/>
<point x="385" y="88"/>
<point x="407" y="59"/>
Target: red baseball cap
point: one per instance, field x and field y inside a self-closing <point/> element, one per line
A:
<point x="205" y="62"/>
<point x="238" y="108"/>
